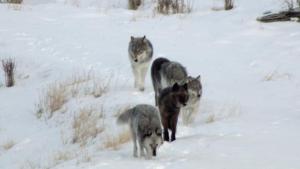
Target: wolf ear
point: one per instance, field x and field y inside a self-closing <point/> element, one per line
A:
<point x="198" y="77"/>
<point x="132" y="38"/>
<point x="175" y="87"/>
<point x="144" y="38"/>
<point x="185" y="86"/>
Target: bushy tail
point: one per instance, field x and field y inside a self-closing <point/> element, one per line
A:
<point x="155" y="75"/>
<point x="124" y="117"/>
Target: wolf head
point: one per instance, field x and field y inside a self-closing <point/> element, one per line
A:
<point x="180" y="94"/>
<point x="139" y="46"/>
<point x="153" y="140"/>
<point x="195" y="87"/>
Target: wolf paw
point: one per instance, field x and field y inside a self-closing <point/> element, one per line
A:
<point x="135" y="154"/>
<point x="142" y="89"/>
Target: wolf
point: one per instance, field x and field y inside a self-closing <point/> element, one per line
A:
<point x="170" y="100"/>
<point x="140" y="55"/>
<point x="195" y="92"/>
<point x="166" y="73"/>
<point x="145" y="127"/>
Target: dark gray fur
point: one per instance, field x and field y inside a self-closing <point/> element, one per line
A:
<point x="165" y="73"/>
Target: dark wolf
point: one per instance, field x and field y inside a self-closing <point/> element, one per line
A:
<point x="170" y="100"/>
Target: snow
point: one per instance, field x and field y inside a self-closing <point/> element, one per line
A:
<point x="249" y="113"/>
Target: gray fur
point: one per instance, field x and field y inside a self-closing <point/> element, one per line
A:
<point x="145" y="127"/>
<point x="140" y="54"/>
<point x="166" y="73"/>
<point x="195" y="92"/>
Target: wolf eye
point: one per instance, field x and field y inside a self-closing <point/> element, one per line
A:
<point x="148" y="134"/>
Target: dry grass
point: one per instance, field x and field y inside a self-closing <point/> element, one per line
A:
<point x="292" y="4"/>
<point x="62" y="156"/>
<point x="8" y="145"/>
<point x="16" y="7"/>
<point x="167" y="7"/>
<point x="275" y="75"/>
<point x="32" y="165"/>
<point x="12" y="1"/>
<point x="229" y="4"/>
<point x="88" y="84"/>
<point x="87" y="125"/>
<point x="98" y="88"/>
<point x="79" y="85"/>
<point x="114" y="142"/>
<point x="85" y="157"/>
<point x="210" y="119"/>
<point x="52" y="100"/>
<point x="219" y="111"/>
<point x="9" y="66"/>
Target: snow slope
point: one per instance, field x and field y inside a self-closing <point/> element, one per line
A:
<point x="250" y="111"/>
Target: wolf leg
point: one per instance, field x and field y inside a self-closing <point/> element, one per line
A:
<point x="134" y="143"/>
<point x="142" y="77"/>
<point x="148" y="153"/>
<point x="141" y="146"/>
<point x="174" y="120"/>
<point x="135" y="74"/>
<point x="193" y="111"/>
<point x="165" y="124"/>
<point x="186" y="115"/>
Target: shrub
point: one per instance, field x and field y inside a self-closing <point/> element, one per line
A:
<point x="9" y="66"/>
<point x="86" y="125"/>
<point x="134" y="4"/>
<point x="8" y="145"/>
<point x="228" y="4"/>
<point x="173" y="6"/>
<point x="11" y="1"/>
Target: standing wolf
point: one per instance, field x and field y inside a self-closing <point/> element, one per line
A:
<point x="195" y="92"/>
<point x="170" y="100"/>
<point x="165" y="73"/>
<point x="140" y="55"/>
<point x="145" y="126"/>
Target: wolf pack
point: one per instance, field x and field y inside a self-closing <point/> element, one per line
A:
<point x="175" y="93"/>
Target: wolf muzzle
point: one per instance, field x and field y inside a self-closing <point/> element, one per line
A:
<point x="154" y="152"/>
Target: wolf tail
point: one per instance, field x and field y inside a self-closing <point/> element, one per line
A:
<point x="124" y="117"/>
<point x="155" y="75"/>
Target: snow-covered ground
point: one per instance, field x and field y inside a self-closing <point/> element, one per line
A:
<point x="250" y="110"/>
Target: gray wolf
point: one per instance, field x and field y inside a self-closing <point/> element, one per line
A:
<point x="195" y="92"/>
<point x="140" y="54"/>
<point x="170" y="100"/>
<point x="145" y="127"/>
<point x="165" y="73"/>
